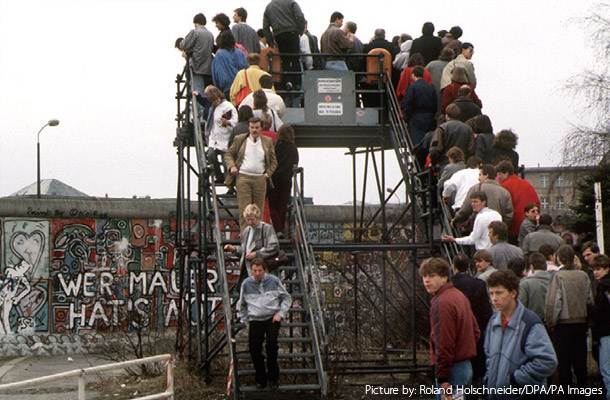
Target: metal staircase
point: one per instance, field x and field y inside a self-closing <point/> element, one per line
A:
<point x="200" y="238"/>
<point x="423" y="197"/>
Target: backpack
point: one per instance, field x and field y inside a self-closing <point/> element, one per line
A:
<point x="318" y="61"/>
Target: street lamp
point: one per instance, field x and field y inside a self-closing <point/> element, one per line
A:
<point x="52" y="122"/>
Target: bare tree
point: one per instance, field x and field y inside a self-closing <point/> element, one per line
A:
<point x="589" y="140"/>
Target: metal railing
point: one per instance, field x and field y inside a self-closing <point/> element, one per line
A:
<point x="82" y="374"/>
<point x="207" y="187"/>
<point x="310" y="276"/>
<point x="374" y="87"/>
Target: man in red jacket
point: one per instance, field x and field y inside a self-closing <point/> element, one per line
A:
<point x="453" y="328"/>
<point x="521" y="193"/>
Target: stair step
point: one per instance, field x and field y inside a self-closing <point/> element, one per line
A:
<point x="281" y="387"/>
<point x="295" y="324"/>
<point x="283" y="356"/>
<point x="283" y="340"/>
<point x="283" y="325"/>
<point x="283" y="371"/>
<point x="296" y="295"/>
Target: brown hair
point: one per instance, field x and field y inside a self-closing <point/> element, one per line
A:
<point x="253" y="58"/>
<point x="212" y="92"/>
<point x="600" y="261"/>
<point x="499" y="228"/>
<point x="453" y="111"/>
<point x="547" y="250"/>
<point x="505" y="167"/>
<point x="434" y="265"/>
<point x="285" y="134"/>
<point x="529" y="206"/>
<point x="259" y="99"/>
<point x="416" y="59"/>
<point x="482" y="255"/>
<point x="506" y="139"/>
<point x="456" y="154"/>
<point x="565" y="254"/>
<point x="481" y="196"/>
<point x="266" y="122"/>
<point x="504" y="278"/>
<point x="458" y="74"/>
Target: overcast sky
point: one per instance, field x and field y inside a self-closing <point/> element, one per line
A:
<point x="106" y="70"/>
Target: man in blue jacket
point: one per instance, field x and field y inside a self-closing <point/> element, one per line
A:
<point x="518" y="349"/>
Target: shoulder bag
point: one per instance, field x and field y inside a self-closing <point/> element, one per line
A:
<point x="245" y="91"/>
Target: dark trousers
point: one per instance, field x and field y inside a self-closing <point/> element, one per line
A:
<point x="256" y="335"/>
<point x="571" y="348"/>
<point x="212" y="156"/>
<point x="278" y="205"/>
<point x="289" y="43"/>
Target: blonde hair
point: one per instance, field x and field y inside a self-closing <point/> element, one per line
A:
<point x="252" y="209"/>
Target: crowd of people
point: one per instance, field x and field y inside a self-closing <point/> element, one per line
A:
<point x="544" y="305"/>
<point x="545" y="298"/>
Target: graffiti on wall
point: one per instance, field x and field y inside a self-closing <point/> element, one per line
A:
<point x="24" y="287"/>
<point x="66" y="276"/>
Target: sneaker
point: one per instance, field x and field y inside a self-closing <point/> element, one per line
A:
<point x="289" y="86"/>
<point x="260" y="385"/>
<point x="273" y="385"/>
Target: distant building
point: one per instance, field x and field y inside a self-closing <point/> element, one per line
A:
<point x="557" y="187"/>
<point x="50" y="188"/>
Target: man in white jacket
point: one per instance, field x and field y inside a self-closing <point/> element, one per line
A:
<point x="480" y="232"/>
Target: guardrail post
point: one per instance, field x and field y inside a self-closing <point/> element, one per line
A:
<point x="81" y="385"/>
<point x="170" y="378"/>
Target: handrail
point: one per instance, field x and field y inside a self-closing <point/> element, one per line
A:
<point x="410" y="166"/>
<point x="81" y="374"/>
<point x="212" y="200"/>
<point x="310" y="273"/>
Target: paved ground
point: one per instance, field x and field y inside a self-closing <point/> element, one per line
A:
<point x="23" y="368"/>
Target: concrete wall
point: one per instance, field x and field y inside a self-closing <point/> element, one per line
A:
<point x="73" y="270"/>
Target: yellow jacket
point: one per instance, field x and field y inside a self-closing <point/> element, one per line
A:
<point x="254" y="74"/>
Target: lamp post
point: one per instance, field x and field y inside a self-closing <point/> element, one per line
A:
<point x="52" y="122"/>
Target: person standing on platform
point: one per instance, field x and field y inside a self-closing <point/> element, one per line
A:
<point x="243" y="33"/>
<point x="199" y="44"/>
<point x="419" y="106"/>
<point x="286" y="20"/>
<point x="335" y="41"/>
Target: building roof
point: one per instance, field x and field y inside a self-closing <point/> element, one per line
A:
<point x="49" y="188"/>
<point x="561" y="169"/>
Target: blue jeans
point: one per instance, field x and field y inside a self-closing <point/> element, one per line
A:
<point x="604" y="362"/>
<point x="461" y="375"/>
<point x="201" y="81"/>
<point x="336" y="65"/>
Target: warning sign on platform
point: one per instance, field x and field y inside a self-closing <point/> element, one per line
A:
<point x="329" y="85"/>
<point x="330" y="109"/>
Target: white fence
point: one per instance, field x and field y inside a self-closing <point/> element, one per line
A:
<point x="82" y="373"/>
